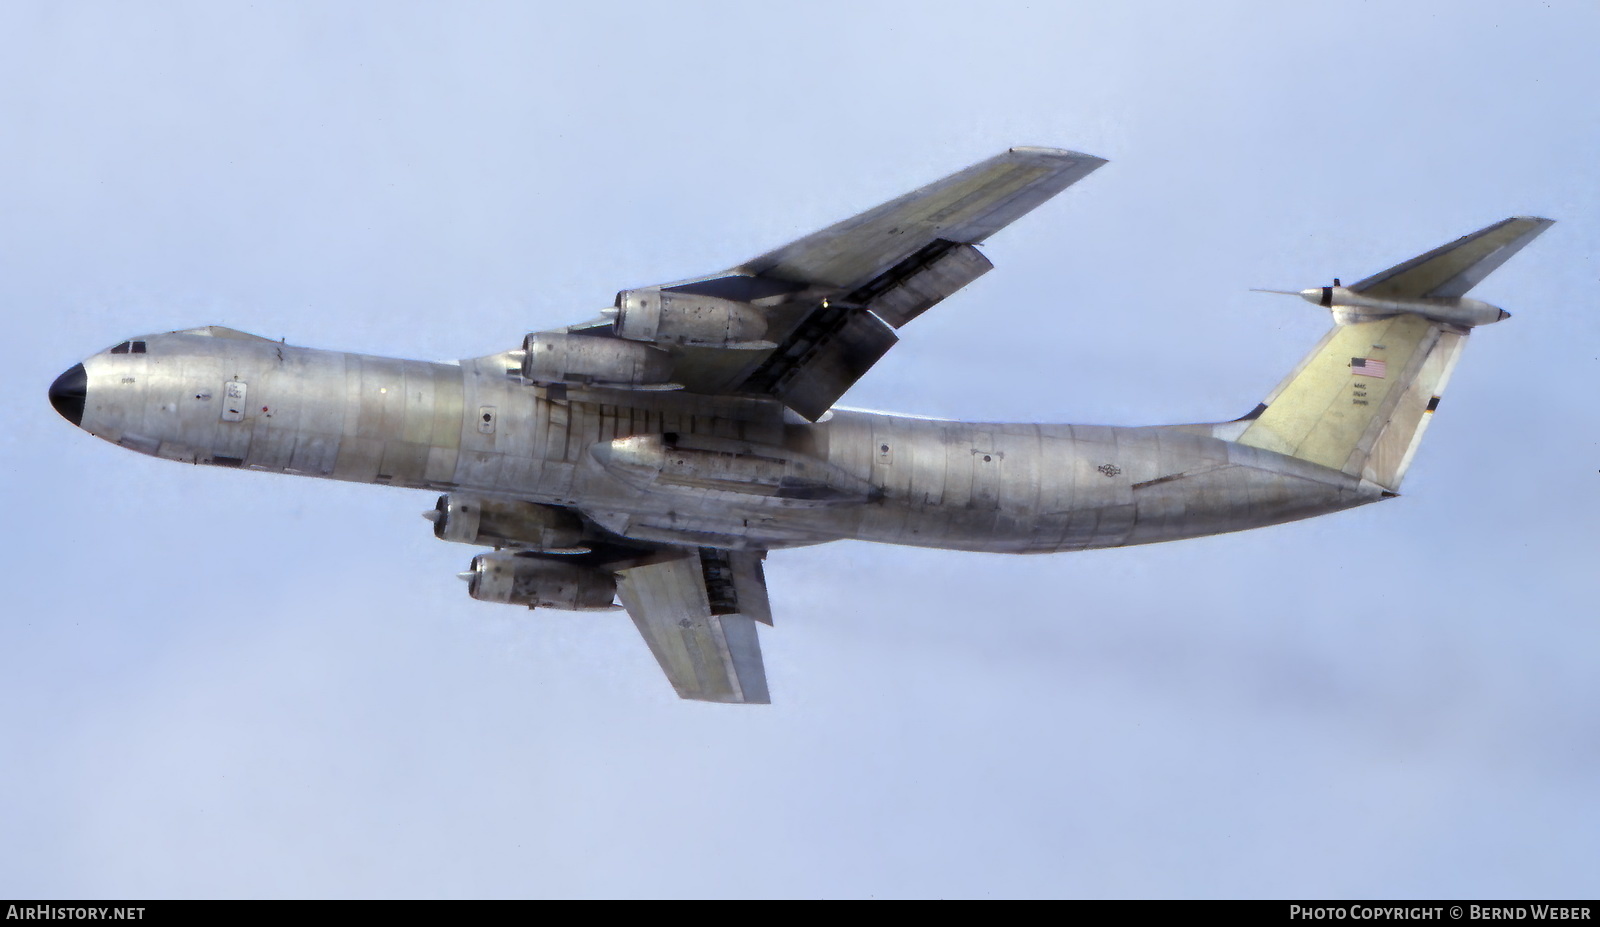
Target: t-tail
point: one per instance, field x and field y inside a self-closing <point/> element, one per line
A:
<point x="1360" y="401"/>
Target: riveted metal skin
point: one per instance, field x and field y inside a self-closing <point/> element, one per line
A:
<point x="733" y="473"/>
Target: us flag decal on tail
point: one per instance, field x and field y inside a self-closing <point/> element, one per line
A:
<point x="1368" y="367"/>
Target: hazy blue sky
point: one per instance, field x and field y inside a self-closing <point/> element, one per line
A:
<point x="230" y="684"/>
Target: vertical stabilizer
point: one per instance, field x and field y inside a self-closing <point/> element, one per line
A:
<point x="1360" y="401"/>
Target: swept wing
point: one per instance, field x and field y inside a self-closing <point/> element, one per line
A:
<point x="833" y="299"/>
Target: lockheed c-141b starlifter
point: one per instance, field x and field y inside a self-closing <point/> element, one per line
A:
<point x="655" y="454"/>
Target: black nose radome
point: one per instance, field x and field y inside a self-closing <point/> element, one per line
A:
<point x="67" y="393"/>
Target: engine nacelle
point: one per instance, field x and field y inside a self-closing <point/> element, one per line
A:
<point x="476" y="520"/>
<point x="683" y="318"/>
<point x="515" y="579"/>
<point x="594" y="360"/>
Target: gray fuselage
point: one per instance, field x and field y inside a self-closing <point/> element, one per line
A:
<point x="679" y="468"/>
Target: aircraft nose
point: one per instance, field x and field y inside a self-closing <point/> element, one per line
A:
<point x="67" y="393"/>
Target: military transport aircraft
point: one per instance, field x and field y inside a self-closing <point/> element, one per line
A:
<point x="655" y="454"/>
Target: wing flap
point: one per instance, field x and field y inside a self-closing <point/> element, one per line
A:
<point x="1451" y="270"/>
<point x="698" y="612"/>
<point x="823" y="359"/>
<point x="921" y="281"/>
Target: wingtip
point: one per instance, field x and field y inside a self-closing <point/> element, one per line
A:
<point x="1046" y="152"/>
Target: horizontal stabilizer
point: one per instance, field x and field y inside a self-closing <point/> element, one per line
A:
<point x="1451" y="270"/>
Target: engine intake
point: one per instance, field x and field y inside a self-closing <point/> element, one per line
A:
<point x="519" y="579"/>
<point x="594" y="360"/>
<point x="682" y="318"/>
<point x="476" y="520"/>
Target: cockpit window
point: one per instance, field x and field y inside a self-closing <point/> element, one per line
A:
<point x="138" y="347"/>
<point x="134" y="347"/>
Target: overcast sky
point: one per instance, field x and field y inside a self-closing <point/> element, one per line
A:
<point x="216" y="683"/>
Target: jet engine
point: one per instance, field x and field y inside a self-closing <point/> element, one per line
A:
<point x="518" y="579"/>
<point x="477" y="520"/>
<point x="681" y="318"/>
<point x="594" y="360"/>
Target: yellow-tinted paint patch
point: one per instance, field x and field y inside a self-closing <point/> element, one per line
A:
<point x="1322" y="414"/>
